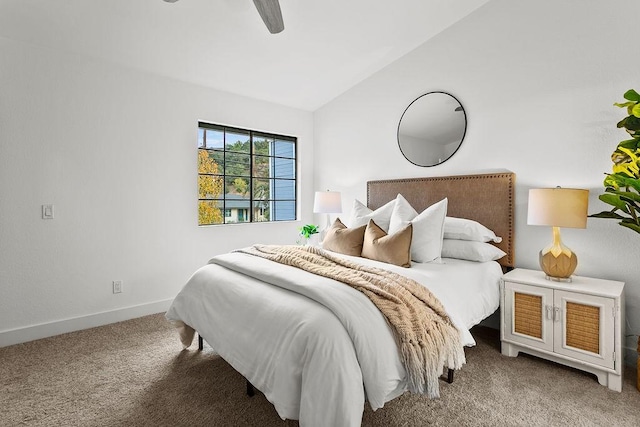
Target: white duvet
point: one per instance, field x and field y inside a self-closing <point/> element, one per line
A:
<point x="315" y="347"/>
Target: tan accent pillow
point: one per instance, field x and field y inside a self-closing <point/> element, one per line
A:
<point x="344" y="240"/>
<point x="390" y="248"/>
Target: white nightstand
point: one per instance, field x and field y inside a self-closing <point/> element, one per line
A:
<point x="579" y="324"/>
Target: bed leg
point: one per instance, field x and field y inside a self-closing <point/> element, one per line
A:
<point x="250" y="389"/>
<point x="200" y="342"/>
<point x="449" y="377"/>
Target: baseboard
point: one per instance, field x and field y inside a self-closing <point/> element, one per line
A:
<point x="45" y="330"/>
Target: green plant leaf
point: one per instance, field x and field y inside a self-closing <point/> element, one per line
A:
<point x="622" y="187"/>
<point x="635" y="227"/>
<point x="632" y="95"/>
<point x="627" y="195"/>
<point x="612" y="181"/>
<point x="615" y="180"/>
<point x="619" y="157"/>
<point x="308" y="230"/>
<point x="606" y="214"/>
<point x="624" y="104"/>
<point x="614" y="200"/>
<point x="631" y="144"/>
<point x="631" y="206"/>
<point x="631" y="182"/>
<point x="632" y="123"/>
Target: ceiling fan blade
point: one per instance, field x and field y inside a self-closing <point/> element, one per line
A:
<point x="271" y="14"/>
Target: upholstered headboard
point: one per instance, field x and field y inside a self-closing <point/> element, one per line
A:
<point x="486" y="198"/>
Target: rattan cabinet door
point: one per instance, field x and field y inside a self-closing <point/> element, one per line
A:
<point x="583" y="327"/>
<point x="528" y="315"/>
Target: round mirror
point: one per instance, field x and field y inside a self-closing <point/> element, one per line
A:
<point x="431" y="129"/>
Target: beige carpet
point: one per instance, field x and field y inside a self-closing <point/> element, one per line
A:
<point x="134" y="374"/>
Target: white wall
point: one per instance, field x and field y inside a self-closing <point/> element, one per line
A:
<point x="114" y="150"/>
<point x="537" y="81"/>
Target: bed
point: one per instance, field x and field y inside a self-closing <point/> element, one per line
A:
<point x="318" y="349"/>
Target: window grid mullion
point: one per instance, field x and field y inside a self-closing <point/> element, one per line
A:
<point x="251" y="219"/>
<point x="271" y="178"/>
<point x="224" y="175"/>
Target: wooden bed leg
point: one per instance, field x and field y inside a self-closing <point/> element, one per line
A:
<point x="250" y="390"/>
<point x="200" y="342"/>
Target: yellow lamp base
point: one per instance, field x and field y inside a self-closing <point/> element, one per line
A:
<point x="558" y="261"/>
<point x="560" y="267"/>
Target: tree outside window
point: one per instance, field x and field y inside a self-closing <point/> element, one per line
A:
<point x="245" y="176"/>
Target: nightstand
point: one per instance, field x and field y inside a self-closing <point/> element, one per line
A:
<point x="578" y="324"/>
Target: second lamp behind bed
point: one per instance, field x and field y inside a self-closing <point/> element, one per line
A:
<point x="327" y="202"/>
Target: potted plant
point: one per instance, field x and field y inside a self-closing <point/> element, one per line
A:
<point x="622" y="186"/>
<point x="307" y="231"/>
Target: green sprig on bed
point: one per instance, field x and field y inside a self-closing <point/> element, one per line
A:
<point x="308" y="230"/>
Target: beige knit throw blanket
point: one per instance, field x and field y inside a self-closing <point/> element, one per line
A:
<point x="427" y="339"/>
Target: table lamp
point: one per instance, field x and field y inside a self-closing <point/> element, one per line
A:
<point x="327" y="202"/>
<point x="558" y="207"/>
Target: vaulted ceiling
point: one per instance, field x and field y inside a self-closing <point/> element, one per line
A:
<point x="327" y="46"/>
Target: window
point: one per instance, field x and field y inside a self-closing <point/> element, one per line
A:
<point x="245" y="176"/>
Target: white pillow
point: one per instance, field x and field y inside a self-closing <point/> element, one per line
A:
<point x="466" y="229"/>
<point x="360" y="215"/>
<point x="470" y="250"/>
<point x="426" y="243"/>
<point x="402" y="213"/>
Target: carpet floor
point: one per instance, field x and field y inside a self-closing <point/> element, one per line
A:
<point x="135" y="373"/>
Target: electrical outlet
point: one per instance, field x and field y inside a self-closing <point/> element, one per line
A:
<point x="117" y="286"/>
<point x="47" y="212"/>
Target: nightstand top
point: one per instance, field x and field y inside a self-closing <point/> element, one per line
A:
<point x="588" y="285"/>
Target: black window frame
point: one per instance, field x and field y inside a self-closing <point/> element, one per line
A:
<point x="253" y="203"/>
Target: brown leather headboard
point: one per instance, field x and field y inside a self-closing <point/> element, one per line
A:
<point x="486" y="198"/>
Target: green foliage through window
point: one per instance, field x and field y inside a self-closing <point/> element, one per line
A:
<point x="245" y="176"/>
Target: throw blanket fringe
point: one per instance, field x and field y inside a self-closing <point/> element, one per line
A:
<point x="427" y="339"/>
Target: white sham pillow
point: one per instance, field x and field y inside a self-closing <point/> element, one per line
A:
<point x="360" y="215"/>
<point x="466" y="229"/>
<point x="426" y="243"/>
<point x="471" y="250"/>
<point x="402" y="213"/>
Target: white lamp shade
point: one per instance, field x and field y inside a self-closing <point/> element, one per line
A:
<point x="558" y="207"/>
<point x="327" y="202"/>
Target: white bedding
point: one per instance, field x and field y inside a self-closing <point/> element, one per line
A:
<point x="310" y="343"/>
